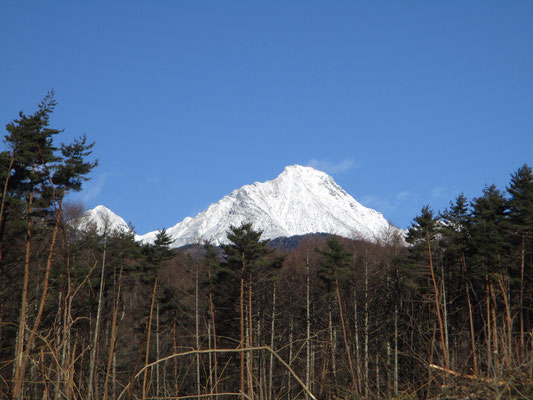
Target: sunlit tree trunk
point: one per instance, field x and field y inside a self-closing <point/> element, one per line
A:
<point x="291" y="345"/>
<point x="345" y="336"/>
<point x="470" y="319"/>
<point x="197" y="330"/>
<point x="356" y="339"/>
<point x="112" y="341"/>
<point x="157" y="351"/>
<point x="508" y="320"/>
<point x="489" y="330"/>
<point x="17" y="378"/>
<point x="94" y="347"/>
<point x="272" y="337"/>
<point x="308" y="326"/>
<point x="437" y="305"/>
<point x="445" y="315"/>
<point x="250" y="341"/>
<point x="242" y="343"/>
<point x="147" y="354"/>
<point x="396" y="375"/>
<point x="521" y="314"/>
<point x="366" y="330"/>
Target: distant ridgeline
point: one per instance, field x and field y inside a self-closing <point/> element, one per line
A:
<point x="301" y="200"/>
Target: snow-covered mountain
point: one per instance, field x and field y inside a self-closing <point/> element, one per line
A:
<point x="299" y="201"/>
<point x="102" y="219"/>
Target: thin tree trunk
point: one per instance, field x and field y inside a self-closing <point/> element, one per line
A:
<point x="272" y="337"/>
<point x="345" y="336"/>
<point x="242" y="344"/>
<point x="94" y="348"/>
<point x="250" y="341"/>
<point x="489" y="331"/>
<point x="211" y="305"/>
<point x="157" y="351"/>
<point x="214" y="388"/>
<point x="17" y="375"/>
<point x="176" y="385"/>
<point x="445" y="315"/>
<point x="495" y="331"/>
<point x="197" y="331"/>
<point x="113" y="335"/>
<point x="114" y="376"/>
<point x="308" y="326"/>
<point x="333" y="347"/>
<point x="44" y="294"/>
<point x="147" y="355"/>
<point x="356" y="339"/>
<point x="366" y="329"/>
<point x="388" y="368"/>
<point x="291" y="345"/>
<point x="471" y="319"/>
<point x="437" y="306"/>
<point x="210" y="376"/>
<point x="431" y="354"/>
<point x="396" y="350"/>
<point x="378" y="385"/>
<point x="521" y="314"/>
<point x="65" y="356"/>
<point x="508" y="320"/>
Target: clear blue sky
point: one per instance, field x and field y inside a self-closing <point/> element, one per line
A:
<point x="404" y="103"/>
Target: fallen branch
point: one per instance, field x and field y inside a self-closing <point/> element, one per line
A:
<point x="467" y="376"/>
<point x="192" y="352"/>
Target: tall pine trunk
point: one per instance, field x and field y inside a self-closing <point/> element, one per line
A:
<point x="147" y="353"/>
<point x="272" y="337"/>
<point x="112" y="341"/>
<point x="308" y="327"/>
<point x="345" y="336"/>
<point x="94" y="347"/>
<point x="437" y="305"/>
<point x="21" y="332"/>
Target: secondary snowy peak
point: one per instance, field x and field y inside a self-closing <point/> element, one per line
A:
<point x="102" y="219"/>
<point x="300" y="200"/>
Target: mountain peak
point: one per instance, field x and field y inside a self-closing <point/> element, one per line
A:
<point x="299" y="201"/>
<point x="102" y="219"/>
<point x="301" y="170"/>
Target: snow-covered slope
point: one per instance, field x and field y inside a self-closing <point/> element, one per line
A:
<point x="300" y="200"/>
<point x="102" y="219"/>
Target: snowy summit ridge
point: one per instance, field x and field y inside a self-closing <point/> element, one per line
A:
<point x="299" y="201"/>
<point x="102" y="219"/>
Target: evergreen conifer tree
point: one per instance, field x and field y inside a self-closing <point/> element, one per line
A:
<point x="520" y="214"/>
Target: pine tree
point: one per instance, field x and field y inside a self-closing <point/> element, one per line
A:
<point x="39" y="175"/>
<point x="425" y="255"/>
<point x="488" y="239"/>
<point x="334" y="268"/>
<point x="244" y="257"/>
<point x="520" y="214"/>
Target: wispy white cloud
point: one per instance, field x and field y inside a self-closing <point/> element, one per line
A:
<point x="330" y="167"/>
<point x="96" y="187"/>
<point x="388" y="203"/>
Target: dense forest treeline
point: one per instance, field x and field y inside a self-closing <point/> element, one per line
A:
<point x="444" y="313"/>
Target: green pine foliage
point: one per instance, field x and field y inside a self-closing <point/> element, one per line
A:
<point x="335" y="265"/>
